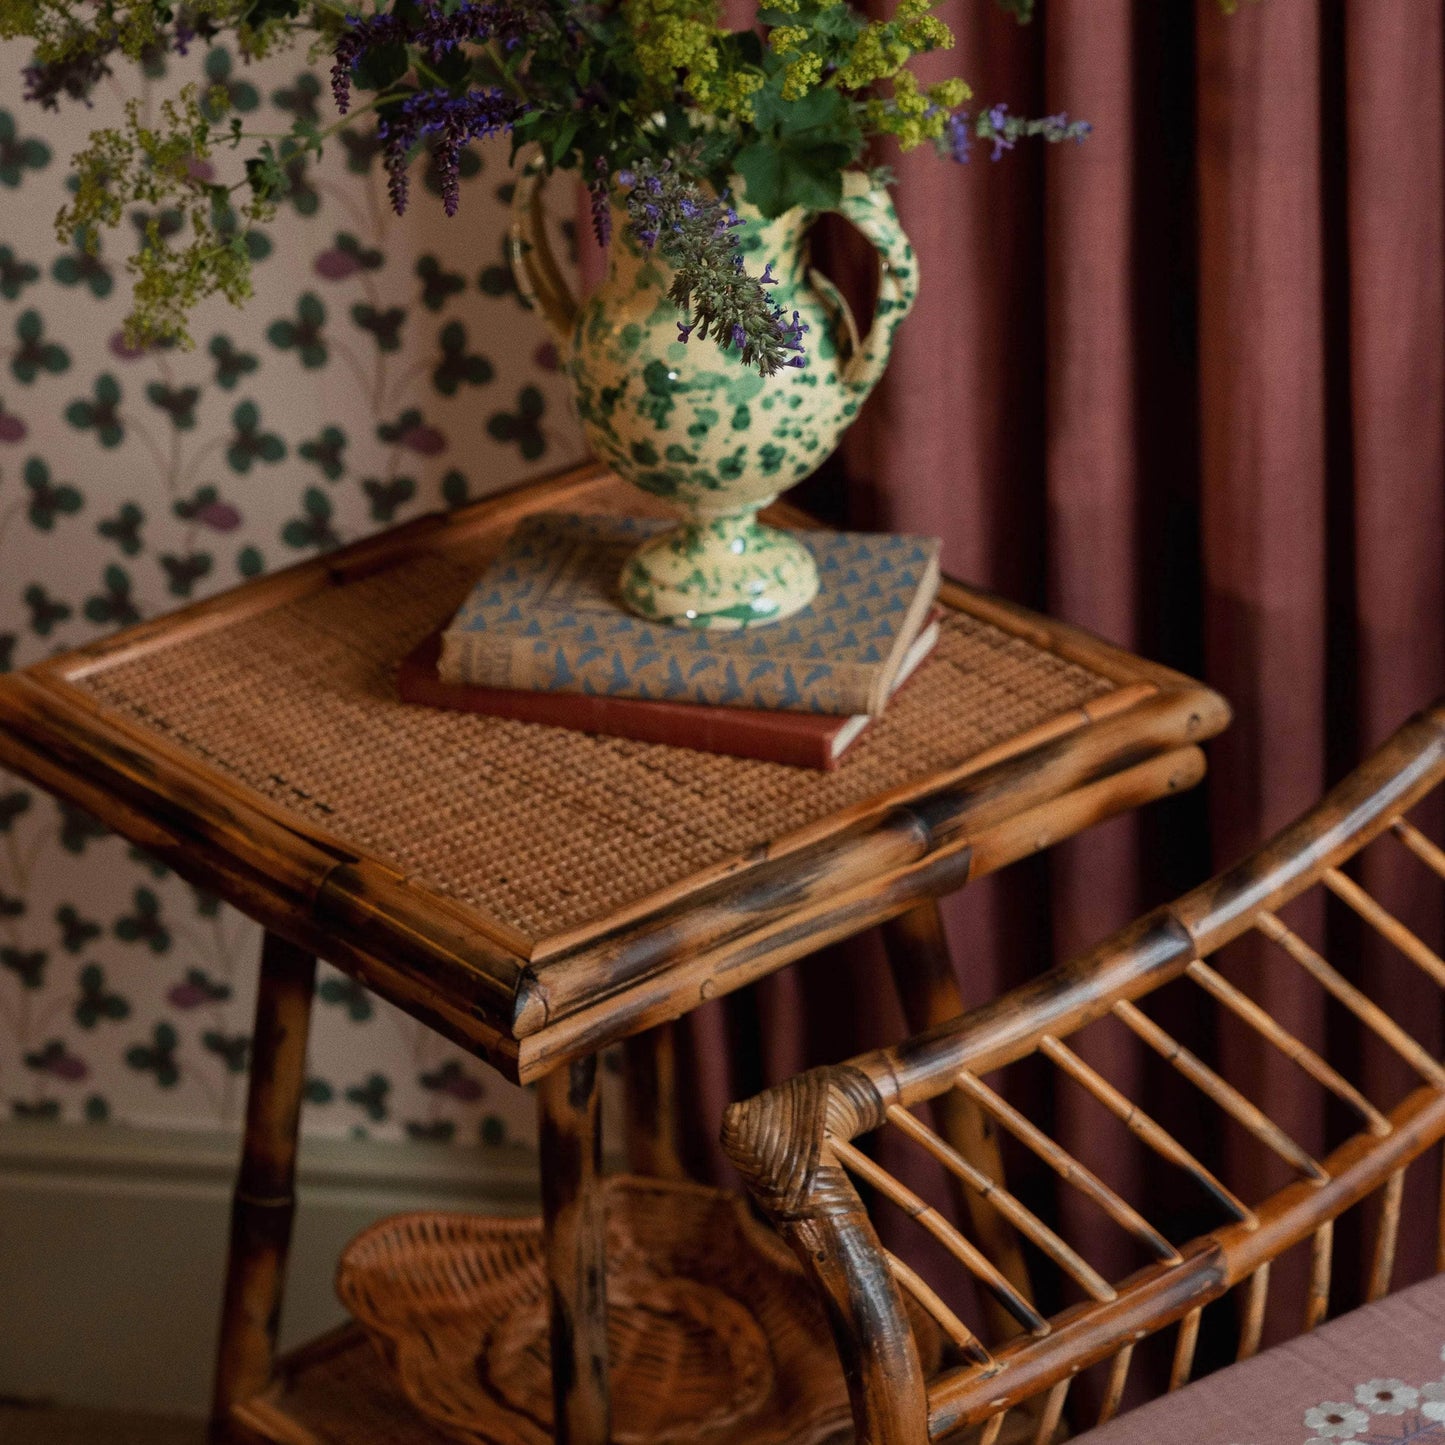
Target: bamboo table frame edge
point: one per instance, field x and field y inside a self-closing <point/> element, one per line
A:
<point x="513" y="1001"/>
<point x="516" y="1012"/>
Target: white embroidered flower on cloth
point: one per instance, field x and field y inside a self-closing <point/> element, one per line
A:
<point x="1334" y="1421"/>
<point x="1432" y="1400"/>
<point x="1386" y="1397"/>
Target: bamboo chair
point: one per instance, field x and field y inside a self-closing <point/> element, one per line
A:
<point x="796" y="1144"/>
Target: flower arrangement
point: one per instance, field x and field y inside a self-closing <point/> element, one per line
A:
<point x="653" y="99"/>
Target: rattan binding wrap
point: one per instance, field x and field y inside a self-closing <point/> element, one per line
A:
<point x="714" y="1337"/>
<point x="543" y="828"/>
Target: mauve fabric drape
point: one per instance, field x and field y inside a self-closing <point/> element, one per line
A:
<point x="1183" y="384"/>
<point x="1394" y="398"/>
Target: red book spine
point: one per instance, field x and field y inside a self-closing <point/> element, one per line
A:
<point x="800" y="739"/>
<point x="804" y="740"/>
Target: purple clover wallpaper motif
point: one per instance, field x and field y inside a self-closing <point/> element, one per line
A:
<point x="383" y="368"/>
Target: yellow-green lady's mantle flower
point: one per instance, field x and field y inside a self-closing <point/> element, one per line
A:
<point x="660" y="89"/>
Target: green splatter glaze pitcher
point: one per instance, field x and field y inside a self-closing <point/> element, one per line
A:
<point x="689" y="423"/>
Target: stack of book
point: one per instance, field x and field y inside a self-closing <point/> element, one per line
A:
<point x="543" y="639"/>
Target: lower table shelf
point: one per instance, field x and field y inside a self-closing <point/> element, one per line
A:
<point x="333" y="1391"/>
<point x="713" y="1335"/>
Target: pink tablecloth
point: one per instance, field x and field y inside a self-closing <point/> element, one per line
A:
<point x="1375" y="1376"/>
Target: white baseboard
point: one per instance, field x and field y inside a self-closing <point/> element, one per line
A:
<point x="112" y="1248"/>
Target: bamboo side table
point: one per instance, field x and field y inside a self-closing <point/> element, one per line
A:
<point x="536" y="894"/>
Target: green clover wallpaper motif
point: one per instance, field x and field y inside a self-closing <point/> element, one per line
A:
<point x="384" y="368"/>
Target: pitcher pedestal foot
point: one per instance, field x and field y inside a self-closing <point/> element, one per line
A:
<point x="720" y="573"/>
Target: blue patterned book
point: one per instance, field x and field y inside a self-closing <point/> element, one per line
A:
<point x="545" y="617"/>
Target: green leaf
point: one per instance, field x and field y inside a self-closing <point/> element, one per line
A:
<point x="839" y="23"/>
<point x="821" y="117"/>
<point x="780" y="177"/>
<point x="381" y="67"/>
<point x="562" y="140"/>
<point x="307" y="136"/>
<point x="454" y="66"/>
<point x="745" y="47"/>
<point x="804" y="146"/>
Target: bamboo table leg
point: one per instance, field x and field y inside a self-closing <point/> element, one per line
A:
<point x="574" y="1222"/>
<point x="264" y="1199"/>
<point x="922" y="968"/>
<point x="651" y="1077"/>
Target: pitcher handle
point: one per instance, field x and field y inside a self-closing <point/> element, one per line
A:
<point x="539" y="279"/>
<point x="870" y="208"/>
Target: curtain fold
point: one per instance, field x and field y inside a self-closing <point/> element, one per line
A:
<point x="1395" y="227"/>
<point x="1393" y="232"/>
<point x="1267" y="479"/>
<point x="1092" y="467"/>
<point x="1183" y="384"/>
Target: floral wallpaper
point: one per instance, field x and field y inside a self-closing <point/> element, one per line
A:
<point x="383" y="368"/>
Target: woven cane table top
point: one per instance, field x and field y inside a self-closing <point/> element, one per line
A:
<point x="541" y="827"/>
<point x="266" y="723"/>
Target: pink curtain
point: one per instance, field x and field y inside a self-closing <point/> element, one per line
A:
<point x="1183" y="384"/>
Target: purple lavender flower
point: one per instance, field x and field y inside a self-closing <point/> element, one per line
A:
<point x="362" y="33"/>
<point x="1058" y="127"/>
<point x="1005" y="130"/>
<point x="960" y="138"/>
<point x="440" y="33"/>
<point x="601" y="210"/>
<point x="767" y="278"/>
<point x="450" y="121"/>
<point x="695" y="235"/>
<point x="790" y="336"/>
<point x="510" y="21"/>
<point x="435" y="31"/>
<point x="398" y="183"/>
<point x="1000" y="131"/>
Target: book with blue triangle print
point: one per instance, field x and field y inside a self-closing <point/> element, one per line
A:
<point x="546" y="617"/>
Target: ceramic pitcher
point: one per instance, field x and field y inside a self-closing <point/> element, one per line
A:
<point x="689" y="423"/>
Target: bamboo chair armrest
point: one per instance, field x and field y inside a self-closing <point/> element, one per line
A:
<point x="778" y="1142"/>
<point x="794" y="1144"/>
<point x="1147" y="953"/>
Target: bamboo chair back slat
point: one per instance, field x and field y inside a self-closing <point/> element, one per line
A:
<point x="1184" y="1346"/>
<point x="1317" y="1296"/>
<point x="799" y="1145"/>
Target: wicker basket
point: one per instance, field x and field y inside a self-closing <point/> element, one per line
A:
<point x="713" y="1335"/>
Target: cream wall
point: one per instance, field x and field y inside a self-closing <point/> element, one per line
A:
<point x="384" y="368"/>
